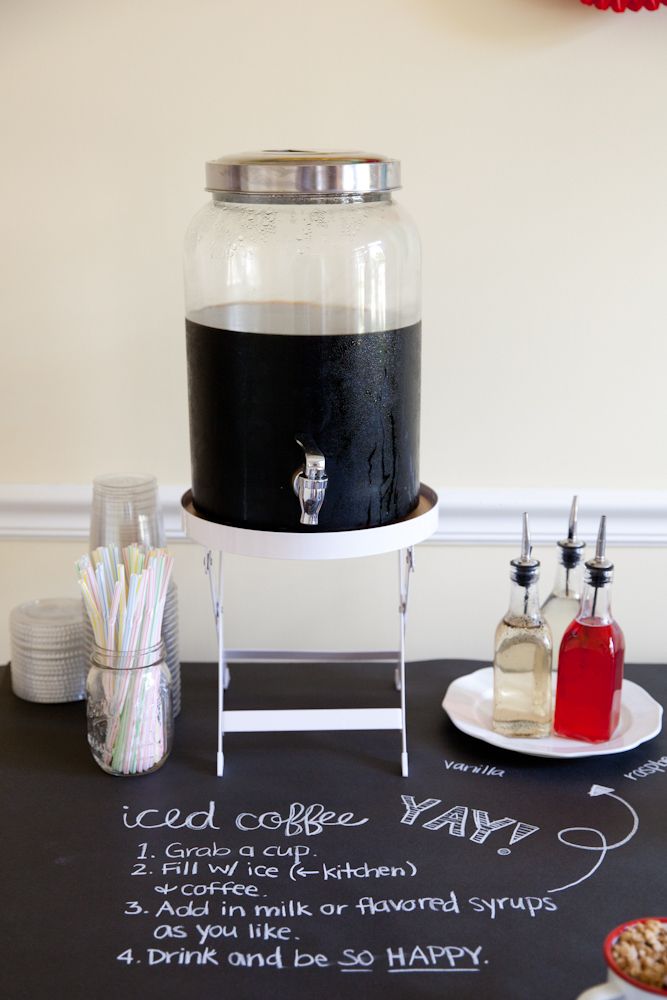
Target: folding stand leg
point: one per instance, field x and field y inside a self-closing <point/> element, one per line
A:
<point x="240" y="721"/>
<point x="208" y="569"/>
<point x="222" y="668"/>
<point x="406" y="566"/>
<point x="217" y="593"/>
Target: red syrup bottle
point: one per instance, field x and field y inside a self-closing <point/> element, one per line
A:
<point x="590" y="665"/>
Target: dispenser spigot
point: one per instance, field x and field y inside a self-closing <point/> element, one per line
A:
<point x="310" y="481"/>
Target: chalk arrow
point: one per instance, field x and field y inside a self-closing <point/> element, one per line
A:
<point x="596" y="790"/>
<point x="603" y="790"/>
<point x="600" y="790"/>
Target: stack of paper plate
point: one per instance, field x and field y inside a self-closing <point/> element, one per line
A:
<point x="49" y="650"/>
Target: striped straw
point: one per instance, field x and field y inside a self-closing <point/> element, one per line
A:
<point x="124" y="595"/>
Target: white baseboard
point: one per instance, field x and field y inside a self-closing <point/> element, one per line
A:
<point x="466" y="516"/>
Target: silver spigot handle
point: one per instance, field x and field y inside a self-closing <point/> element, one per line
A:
<point x="314" y="458"/>
<point x="310" y="481"/>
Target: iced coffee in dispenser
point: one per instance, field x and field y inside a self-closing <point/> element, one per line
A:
<point x="303" y="343"/>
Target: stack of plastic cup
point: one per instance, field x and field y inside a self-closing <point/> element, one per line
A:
<point x="49" y="650"/>
<point x="126" y="510"/>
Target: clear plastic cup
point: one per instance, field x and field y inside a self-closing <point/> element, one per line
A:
<point x="126" y="510"/>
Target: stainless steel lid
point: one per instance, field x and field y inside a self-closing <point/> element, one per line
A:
<point x="302" y="172"/>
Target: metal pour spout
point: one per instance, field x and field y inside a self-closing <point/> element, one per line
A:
<point x="310" y="481"/>
<point x="572" y="526"/>
<point x="525" y="569"/>
<point x="526" y="547"/>
<point x="601" y="544"/>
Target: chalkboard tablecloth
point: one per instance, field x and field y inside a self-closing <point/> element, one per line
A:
<point x="312" y="869"/>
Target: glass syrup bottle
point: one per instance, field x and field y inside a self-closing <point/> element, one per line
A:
<point x="590" y="675"/>
<point x="522" y="703"/>
<point x="562" y="604"/>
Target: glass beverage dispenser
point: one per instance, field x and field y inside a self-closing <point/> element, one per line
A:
<point x="303" y="343"/>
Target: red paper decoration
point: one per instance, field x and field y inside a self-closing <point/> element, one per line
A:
<point x="620" y="5"/>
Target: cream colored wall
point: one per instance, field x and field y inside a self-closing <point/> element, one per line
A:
<point x="457" y="596"/>
<point x="534" y="150"/>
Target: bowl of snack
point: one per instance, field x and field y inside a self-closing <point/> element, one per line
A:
<point x="636" y="957"/>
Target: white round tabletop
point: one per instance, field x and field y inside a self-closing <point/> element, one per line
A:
<point x="417" y="526"/>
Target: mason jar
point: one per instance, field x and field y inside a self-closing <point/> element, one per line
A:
<point x="129" y="709"/>
<point x="302" y="278"/>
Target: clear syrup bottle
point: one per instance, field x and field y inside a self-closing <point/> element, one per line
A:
<point x="522" y="703"/>
<point x="590" y="676"/>
<point x="562" y="605"/>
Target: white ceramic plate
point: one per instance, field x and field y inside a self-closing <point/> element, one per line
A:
<point x="469" y="704"/>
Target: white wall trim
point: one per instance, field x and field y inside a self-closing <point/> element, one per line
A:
<point x="466" y="516"/>
<point x="492" y="517"/>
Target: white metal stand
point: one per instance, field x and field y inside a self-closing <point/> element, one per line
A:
<point x="400" y="537"/>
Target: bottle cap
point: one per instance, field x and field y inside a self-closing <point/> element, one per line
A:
<point x="600" y="569"/>
<point x="571" y="547"/>
<point x="525" y="569"/>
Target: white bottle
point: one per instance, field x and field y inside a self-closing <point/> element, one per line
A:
<point x="562" y="605"/>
